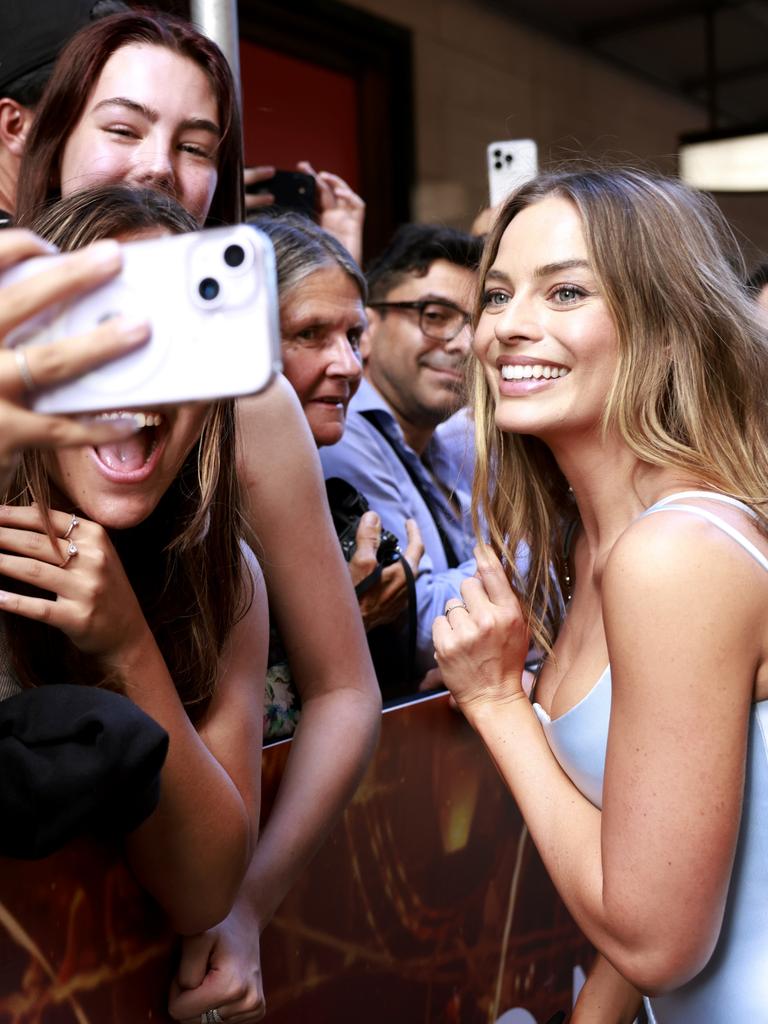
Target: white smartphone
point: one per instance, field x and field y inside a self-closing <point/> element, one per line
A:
<point x="510" y="164"/>
<point x="211" y="298"/>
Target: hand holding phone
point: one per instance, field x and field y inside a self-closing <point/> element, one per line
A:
<point x="211" y="300"/>
<point x="289" y="190"/>
<point x="56" y="361"/>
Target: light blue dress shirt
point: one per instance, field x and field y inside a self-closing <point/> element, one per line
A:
<point x="367" y="460"/>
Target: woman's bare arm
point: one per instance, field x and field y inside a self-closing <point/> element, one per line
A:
<point x="211" y="786"/>
<point x="312" y="599"/>
<point x="314" y="606"/>
<point x="684" y="612"/>
<point x="606" y="997"/>
<point x="192" y="852"/>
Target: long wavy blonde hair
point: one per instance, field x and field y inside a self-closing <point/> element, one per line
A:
<point x="689" y="391"/>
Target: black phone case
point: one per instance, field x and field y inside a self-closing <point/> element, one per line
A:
<point x="293" y="190"/>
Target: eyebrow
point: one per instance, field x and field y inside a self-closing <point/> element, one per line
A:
<point x="436" y="297"/>
<point x="547" y="270"/>
<point x="556" y="268"/>
<point x="193" y="123"/>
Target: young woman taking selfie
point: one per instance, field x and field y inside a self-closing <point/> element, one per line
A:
<point x="147" y="100"/>
<point x="120" y="544"/>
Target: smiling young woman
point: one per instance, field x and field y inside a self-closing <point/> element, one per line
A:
<point x="637" y="472"/>
<point x="142" y="98"/>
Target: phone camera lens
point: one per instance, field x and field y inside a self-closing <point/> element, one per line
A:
<point x="209" y="287"/>
<point x="234" y="255"/>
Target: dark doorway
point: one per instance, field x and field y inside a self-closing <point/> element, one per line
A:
<point x="324" y="82"/>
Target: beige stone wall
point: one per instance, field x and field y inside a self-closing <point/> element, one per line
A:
<point x="480" y="76"/>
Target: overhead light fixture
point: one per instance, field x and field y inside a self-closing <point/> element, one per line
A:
<point x="725" y="161"/>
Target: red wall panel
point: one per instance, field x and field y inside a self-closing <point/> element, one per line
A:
<point x="296" y="110"/>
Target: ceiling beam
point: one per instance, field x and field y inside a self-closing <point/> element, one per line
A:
<point x="732" y="75"/>
<point x="599" y="31"/>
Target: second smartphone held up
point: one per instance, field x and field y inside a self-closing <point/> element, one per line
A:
<point x="511" y="162"/>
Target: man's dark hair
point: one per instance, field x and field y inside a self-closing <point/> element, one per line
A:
<point x="412" y="251"/>
<point x="758" y="279"/>
<point x="28" y="88"/>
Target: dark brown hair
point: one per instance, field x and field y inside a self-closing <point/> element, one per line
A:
<point x="74" y="77"/>
<point x="184" y="561"/>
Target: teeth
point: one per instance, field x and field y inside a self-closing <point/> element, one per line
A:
<point x="518" y="371"/>
<point x="142" y="419"/>
<point x="148" y="419"/>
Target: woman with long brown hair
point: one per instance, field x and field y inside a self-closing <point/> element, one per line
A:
<point x="154" y="596"/>
<point x="621" y="431"/>
<point x="157" y="108"/>
<point x="142" y="98"/>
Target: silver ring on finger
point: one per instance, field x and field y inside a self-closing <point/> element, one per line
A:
<point x="453" y="608"/>
<point x="75" y="522"/>
<point x="72" y="550"/>
<point x="211" y="1017"/>
<point x="24" y="371"/>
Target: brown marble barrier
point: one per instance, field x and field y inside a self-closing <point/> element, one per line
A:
<point x="427" y="904"/>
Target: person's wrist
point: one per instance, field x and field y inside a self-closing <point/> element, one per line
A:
<point x="132" y="655"/>
<point x="480" y="707"/>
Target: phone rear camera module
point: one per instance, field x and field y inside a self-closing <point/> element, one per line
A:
<point x="209" y="287"/>
<point x="234" y="255"/>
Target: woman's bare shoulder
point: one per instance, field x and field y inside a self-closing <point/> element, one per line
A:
<point x="683" y="537"/>
<point x="688" y="566"/>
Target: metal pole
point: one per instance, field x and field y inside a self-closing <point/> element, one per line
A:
<point x="710" y="44"/>
<point x="218" y="20"/>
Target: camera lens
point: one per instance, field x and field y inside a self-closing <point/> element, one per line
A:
<point x="208" y="288"/>
<point x="234" y="255"/>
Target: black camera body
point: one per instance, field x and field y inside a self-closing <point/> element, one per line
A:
<point x="348" y="506"/>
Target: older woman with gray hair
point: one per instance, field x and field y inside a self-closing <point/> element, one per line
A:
<point x="322" y="320"/>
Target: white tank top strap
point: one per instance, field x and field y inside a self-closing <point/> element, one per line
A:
<point x="725" y="499"/>
<point x="672" y="503"/>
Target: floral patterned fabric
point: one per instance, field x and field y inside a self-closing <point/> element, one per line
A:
<point x="282" y="707"/>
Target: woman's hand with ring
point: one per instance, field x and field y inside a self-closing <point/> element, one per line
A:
<point x="94" y="604"/>
<point x="481" y="642"/>
<point x="222" y="968"/>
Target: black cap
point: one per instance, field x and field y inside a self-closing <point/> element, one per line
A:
<point x="33" y="33"/>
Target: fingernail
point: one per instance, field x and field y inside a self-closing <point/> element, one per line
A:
<point x="105" y="251"/>
<point x="132" y="330"/>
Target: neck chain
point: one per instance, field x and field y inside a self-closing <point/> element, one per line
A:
<point x="567" y="544"/>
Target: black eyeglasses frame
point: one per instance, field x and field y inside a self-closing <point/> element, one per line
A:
<point x="421" y="305"/>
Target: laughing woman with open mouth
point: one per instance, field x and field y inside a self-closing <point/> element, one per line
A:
<point x="125" y="569"/>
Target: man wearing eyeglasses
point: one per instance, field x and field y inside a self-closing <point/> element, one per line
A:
<point x="415" y="351"/>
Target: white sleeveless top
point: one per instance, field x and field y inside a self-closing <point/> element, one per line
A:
<point x="733" y="987"/>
